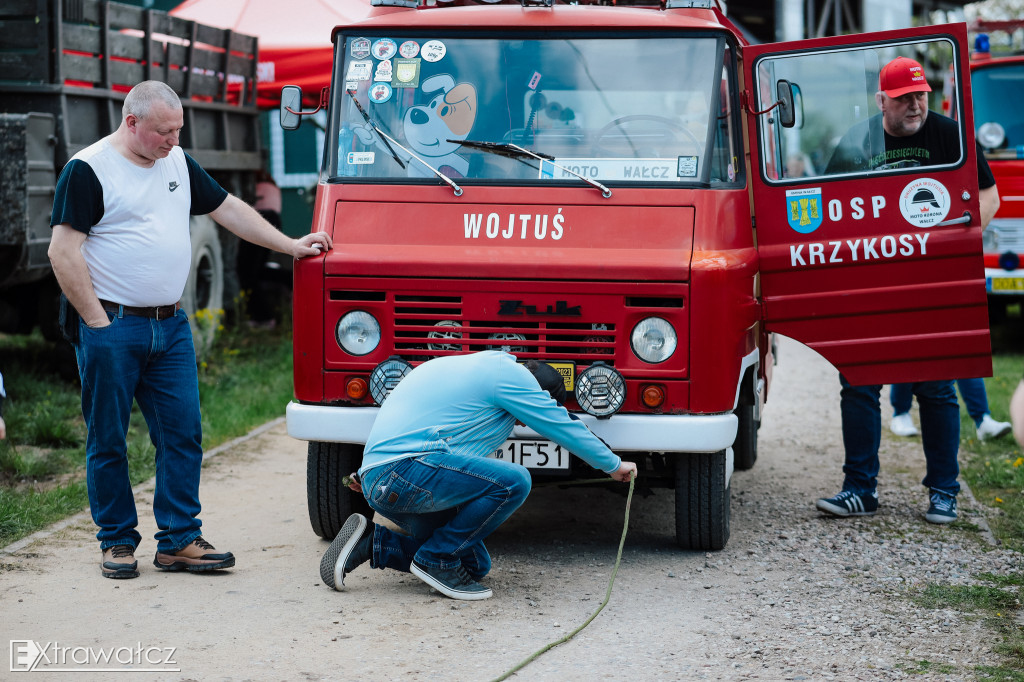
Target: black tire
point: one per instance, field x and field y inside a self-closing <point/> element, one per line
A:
<point x="702" y="501"/>
<point x="330" y="501"/>
<point x="204" y="289"/>
<point x="744" y="449"/>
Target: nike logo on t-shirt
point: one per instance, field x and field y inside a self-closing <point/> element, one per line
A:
<point x="172" y="186"/>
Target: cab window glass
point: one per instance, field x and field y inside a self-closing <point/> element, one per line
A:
<point x="843" y="124"/>
<point x="614" y="108"/>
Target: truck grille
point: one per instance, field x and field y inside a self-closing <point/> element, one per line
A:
<point x="430" y="326"/>
<point x="1011" y="234"/>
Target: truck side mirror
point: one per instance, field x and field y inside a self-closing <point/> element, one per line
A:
<point x="291" y="106"/>
<point x="786" y="101"/>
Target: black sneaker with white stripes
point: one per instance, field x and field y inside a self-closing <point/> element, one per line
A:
<point x="849" y="503"/>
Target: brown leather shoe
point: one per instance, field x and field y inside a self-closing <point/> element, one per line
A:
<point x="119" y="562"/>
<point x="198" y="556"/>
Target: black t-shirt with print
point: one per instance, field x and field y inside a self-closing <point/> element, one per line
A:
<point x="867" y="146"/>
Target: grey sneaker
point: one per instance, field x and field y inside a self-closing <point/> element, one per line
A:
<point x="942" y="508"/>
<point x="352" y="547"/>
<point x="451" y="582"/>
<point x="849" y="503"/>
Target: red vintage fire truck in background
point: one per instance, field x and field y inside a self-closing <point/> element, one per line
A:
<point x="998" y="84"/>
<point x="635" y="195"/>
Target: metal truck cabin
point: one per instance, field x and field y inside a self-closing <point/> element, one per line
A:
<point x="602" y="188"/>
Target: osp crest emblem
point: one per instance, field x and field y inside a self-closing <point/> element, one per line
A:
<point x="803" y="209"/>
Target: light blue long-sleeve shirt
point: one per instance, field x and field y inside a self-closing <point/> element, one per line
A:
<point x="467" y="405"/>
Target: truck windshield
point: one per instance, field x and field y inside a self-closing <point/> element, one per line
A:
<point x="621" y="110"/>
<point x="998" y="95"/>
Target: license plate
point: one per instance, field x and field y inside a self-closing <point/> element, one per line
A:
<point x="534" y="454"/>
<point x="1008" y="284"/>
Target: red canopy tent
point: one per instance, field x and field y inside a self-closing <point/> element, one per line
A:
<point x="294" y="37"/>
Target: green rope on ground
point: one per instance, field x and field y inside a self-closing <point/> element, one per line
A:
<point x="622" y="541"/>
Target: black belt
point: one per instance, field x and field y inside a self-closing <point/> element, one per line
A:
<point x="160" y="312"/>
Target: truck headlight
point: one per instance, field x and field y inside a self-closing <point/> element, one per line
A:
<point x="358" y="333"/>
<point x="386" y="376"/>
<point x="600" y="390"/>
<point x="653" y="340"/>
<point x="991" y="135"/>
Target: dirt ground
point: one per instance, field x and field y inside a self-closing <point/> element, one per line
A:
<point x="794" y="595"/>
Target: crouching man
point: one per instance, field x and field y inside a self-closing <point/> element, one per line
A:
<point x="426" y="468"/>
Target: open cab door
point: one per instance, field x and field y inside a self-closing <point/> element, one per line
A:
<point x="871" y="260"/>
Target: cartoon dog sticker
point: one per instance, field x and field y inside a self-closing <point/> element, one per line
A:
<point x="448" y="116"/>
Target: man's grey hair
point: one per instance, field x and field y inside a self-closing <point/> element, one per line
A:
<point x="140" y="100"/>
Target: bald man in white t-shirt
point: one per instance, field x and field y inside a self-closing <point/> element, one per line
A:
<point x="121" y="253"/>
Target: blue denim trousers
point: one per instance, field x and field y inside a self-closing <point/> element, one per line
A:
<point x="152" y="362"/>
<point x="862" y="432"/>
<point x="971" y="390"/>
<point x="447" y="504"/>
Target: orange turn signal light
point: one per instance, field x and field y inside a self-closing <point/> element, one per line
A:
<point x="653" y="396"/>
<point x="357" y="388"/>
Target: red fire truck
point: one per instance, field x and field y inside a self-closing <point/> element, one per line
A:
<point x="998" y="84"/>
<point x="635" y="195"/>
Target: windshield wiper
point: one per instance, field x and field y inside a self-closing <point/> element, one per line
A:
<point x="384" y="137"/>
<point x="514" y="151"/>
<point x="369" y="122"/>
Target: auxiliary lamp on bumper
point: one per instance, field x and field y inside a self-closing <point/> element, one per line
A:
<point x="386" y="376"/>
<point x="600" y="390"/>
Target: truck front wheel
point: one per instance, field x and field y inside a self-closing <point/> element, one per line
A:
<point x="330" y="501"/>
<point x="702" y="501"/>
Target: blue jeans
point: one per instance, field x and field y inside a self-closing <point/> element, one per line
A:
<point x="447" y="503"/>
<point x="862" y="432"/>
<point x="154" y="363"/>
<point x="971" y="390"/>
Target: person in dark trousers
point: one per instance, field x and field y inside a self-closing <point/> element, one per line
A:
<point x="426" y="467"/>
<point x="121" y="253"/>
<point x="911" y="135"/>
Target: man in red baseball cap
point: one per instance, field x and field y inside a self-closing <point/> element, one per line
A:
<point x="903" y="96"/>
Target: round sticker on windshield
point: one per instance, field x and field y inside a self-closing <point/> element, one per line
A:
<point x="385" y="48"/>
<point x="924" y="202"/>
<point x="409" y="49"/>
<point x="433" y="50"/>
<point x="380" y="93"/>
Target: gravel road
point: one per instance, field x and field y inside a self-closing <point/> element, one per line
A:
<point x="794" y="596"/>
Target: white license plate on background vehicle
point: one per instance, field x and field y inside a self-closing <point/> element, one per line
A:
<point x="534" y="454"/>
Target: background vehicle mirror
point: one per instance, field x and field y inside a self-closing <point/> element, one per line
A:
<point x="291" y="105"/>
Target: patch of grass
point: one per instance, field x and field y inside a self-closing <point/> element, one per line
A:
<point x="994" y="469"/>
<point x="999" y="604"/>
<point x="924" y="667"/>
<point x="246" y="381"/>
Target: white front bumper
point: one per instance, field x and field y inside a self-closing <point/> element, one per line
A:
<point x="622" y="432"/>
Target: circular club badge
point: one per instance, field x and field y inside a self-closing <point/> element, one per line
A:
<point x="924" y="202"/>
<point x="385" y="48"/>
<point x="434" y="50"/>
<point x="409" y="49"/>
<point x="380" y="93"/>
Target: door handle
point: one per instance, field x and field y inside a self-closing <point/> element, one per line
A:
<point x="965" y="219"/>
